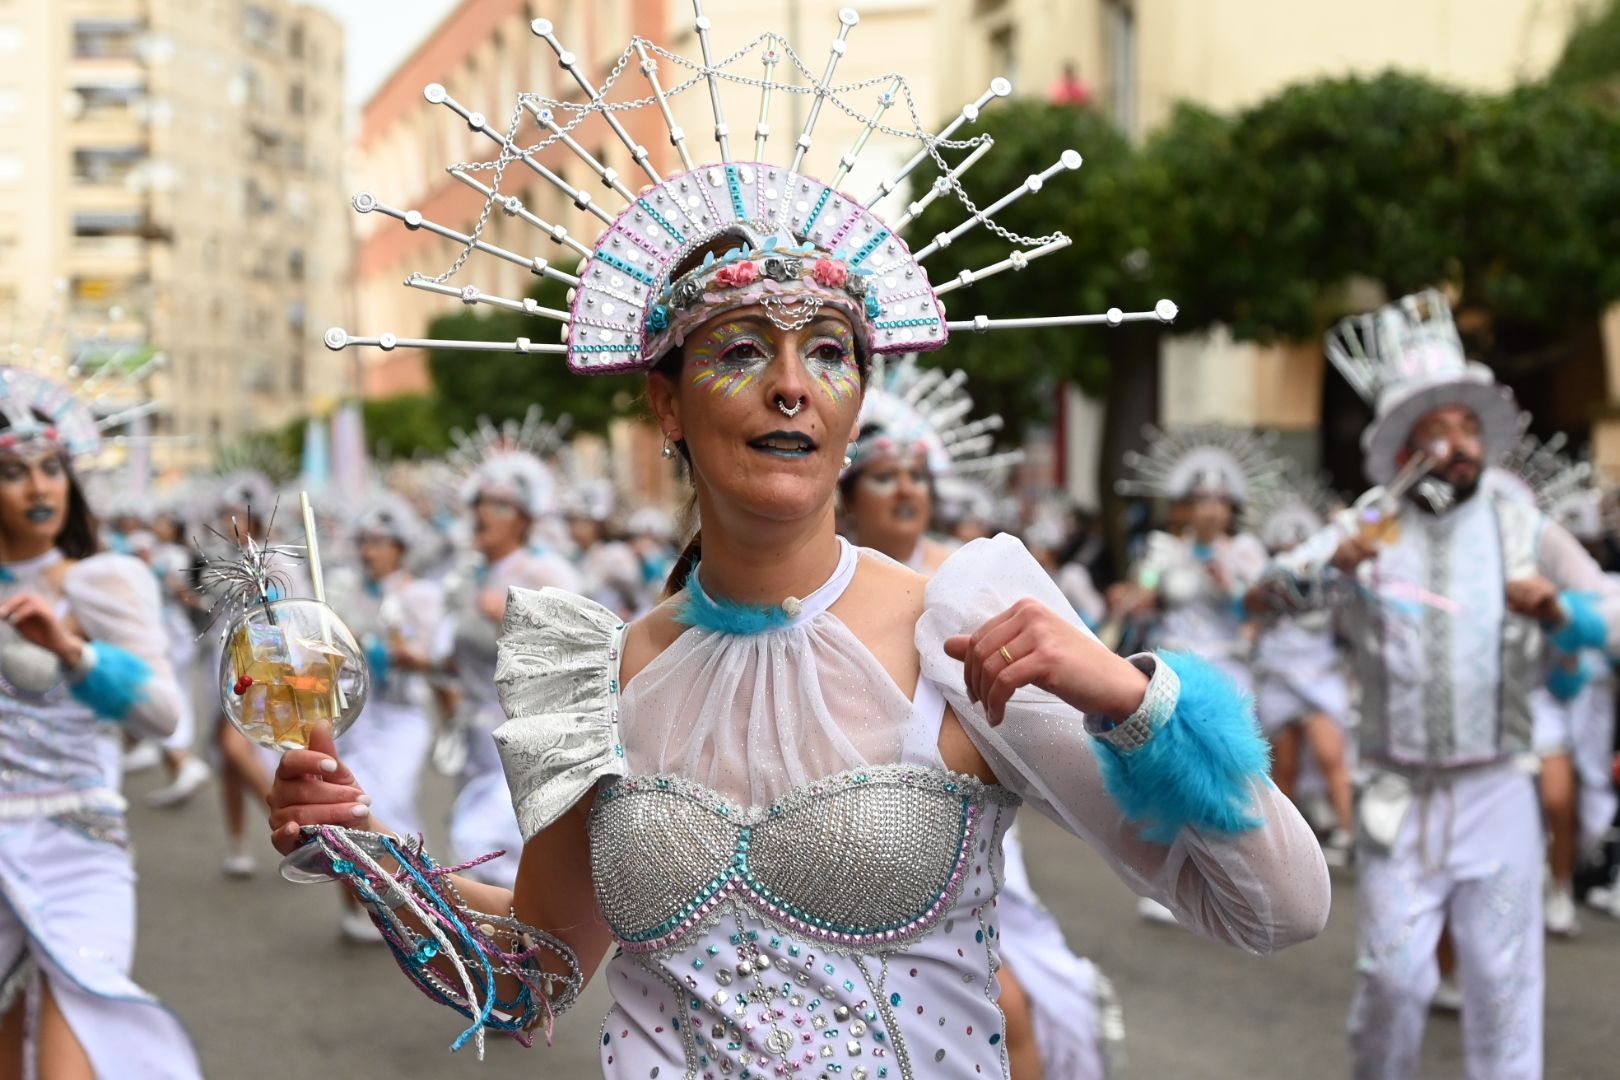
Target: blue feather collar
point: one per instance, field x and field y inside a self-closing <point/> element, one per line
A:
<point x="698" y="608"/>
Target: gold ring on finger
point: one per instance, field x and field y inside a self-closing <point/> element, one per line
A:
<point x="1007" y="656"/>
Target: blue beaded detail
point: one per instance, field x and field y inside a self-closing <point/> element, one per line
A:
<point x="738" y="206"/>
<point x="815" y="212"/>
<point x="663" y="223"/>
<point x="867" y="248"/>
<point x="896" y="324"/>
<point x="625" y="267"/>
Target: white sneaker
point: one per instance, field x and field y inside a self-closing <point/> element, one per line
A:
<point x="1447" y="996"/>
<point x="1559" y="914"/>
<point x="1150" y="910"/>
<point x="145" y="755"/>
<point x="356" y="926"/>
<point x="1604" y="898"/>
<point x="193" y="774"/>
<point x="239" y="864"/>
<point x="1339" y="848"/>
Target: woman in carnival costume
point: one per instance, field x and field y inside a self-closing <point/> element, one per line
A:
<point x="912" y="437"/>
<point x="1192" y="578"/>
<point x="82" y="663"/>
<point x="782" y="792"/>
<point x="399" y="620"/>
<point x="1302" y="692"/>
<point x="509" y="494"/>
<point x="1573" y="707"/>
<point x="1062" y="1018"/>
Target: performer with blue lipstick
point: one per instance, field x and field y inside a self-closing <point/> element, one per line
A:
<point x="1451" y="595"/>
<point x="779" y="797"/>
<point x="83" y="660"/>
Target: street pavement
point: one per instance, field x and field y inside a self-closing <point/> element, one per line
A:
<point x="258" y="973"/>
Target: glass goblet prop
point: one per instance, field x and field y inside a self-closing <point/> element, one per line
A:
<point x="288" y="665"/>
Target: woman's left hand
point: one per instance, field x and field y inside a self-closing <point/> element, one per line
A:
<point x="1049" y="652"/>
<point x="35" y="619"/>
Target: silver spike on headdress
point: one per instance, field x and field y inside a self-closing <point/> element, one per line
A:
<point x="796" y="244"/>
<point x="1202" y="459"/>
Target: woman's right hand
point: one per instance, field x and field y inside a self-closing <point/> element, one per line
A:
<point x="313" y="787"/>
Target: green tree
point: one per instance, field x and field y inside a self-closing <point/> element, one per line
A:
<point x="1592" y="53"/>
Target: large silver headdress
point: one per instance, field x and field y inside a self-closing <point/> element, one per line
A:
<point x="912" y="411"/>
<point x="1202" y="459"/>
<point x="775" y="235"/>
<point x="75" y="390"/>
<point x="1289" y="510"/>
<point x="506" y="461"/>
<point x="1546" y="476"/>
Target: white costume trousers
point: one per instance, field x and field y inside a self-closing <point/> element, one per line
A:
<point x="386" y="749"/>
<point x="1469" y="851"/>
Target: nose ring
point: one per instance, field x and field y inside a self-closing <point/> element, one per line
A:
<point x="782" y="406"/>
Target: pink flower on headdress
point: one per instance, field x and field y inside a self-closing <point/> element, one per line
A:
<point x="737" y="274"/>
<point x="830" y="274"/>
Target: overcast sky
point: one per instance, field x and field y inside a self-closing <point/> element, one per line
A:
<point x="378" y="35"/>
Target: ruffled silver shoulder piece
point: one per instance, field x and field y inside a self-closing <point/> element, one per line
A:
<point x="558" y="676"/>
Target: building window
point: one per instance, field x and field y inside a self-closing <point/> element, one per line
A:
<point x="109" y="98"/>
<point x="258" y="26"/>
<point x="295" y="268"/>
<point x="1120" y="23"/>
<point x="295" y="99"/>
<point x="106" y="164"/>
<point x="11" y="39"/>
<point x="295" y="42"/>
<point x="11" y="169"/>
<point x="10" y="103"/>
<point x="109" y="38"/>
<point x="107" y="223"/>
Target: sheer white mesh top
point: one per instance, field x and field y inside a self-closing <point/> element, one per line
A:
<point x="798" y="885"/>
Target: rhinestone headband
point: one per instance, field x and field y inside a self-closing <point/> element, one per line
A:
<point x="613" y="321"/>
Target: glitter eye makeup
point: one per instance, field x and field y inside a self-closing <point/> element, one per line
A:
<point x="729" y="357"/>
<point x="830" y="357"/>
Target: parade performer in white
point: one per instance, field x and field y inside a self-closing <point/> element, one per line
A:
<point x="1451" y="596"/>
<point x="782" y="792"/>
<point x="1574" y="705"/>
<point x="399" y="621"/>
<point x="1302" y="693"/>
<point x="508" y="491"/>
<point x="82" y="662"/>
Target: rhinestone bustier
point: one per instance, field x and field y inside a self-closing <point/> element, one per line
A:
<point x="862" y="862"/>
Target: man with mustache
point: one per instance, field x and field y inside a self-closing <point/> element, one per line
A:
<point x="1451" y="596"/>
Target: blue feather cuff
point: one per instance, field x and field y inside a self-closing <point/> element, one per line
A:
<point x="115" y="682"/>
<point x="1585" y="628"/>
<point x="1566" y="681"/>
<point x="1188" y="756"/>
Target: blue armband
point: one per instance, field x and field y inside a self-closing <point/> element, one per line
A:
<point x="1565" y="682"/>
<point x="110" y="680"/>
<point x="1584" y="629"/>
<point x="1189" y="756"/>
